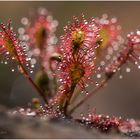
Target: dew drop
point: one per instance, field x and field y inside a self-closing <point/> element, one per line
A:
<point x="102" y="63"/>
<point x="108" y="57"/>
<point x="86" y="85"/>
<point x="138" y="32"/>
<point x="136" y="63"/>
<point x="7" y="52"/>
<point x="97" y="84"/>
<point x="81" y="114"/>
<point x="5" y="63"/>
<point x="98" y="75"/>
<point x="128" y="69"/>
<point x="120" y="76"/>
<point x="21" y="30"/>
<point x="119" y="69"/>
<point x="32" y="66"/>
<point x="114" y="70"/>
<point x="31" y="71"/>
<point x="24" y="21"/>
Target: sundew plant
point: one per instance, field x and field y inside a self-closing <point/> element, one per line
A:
<point x="80" y="62"/>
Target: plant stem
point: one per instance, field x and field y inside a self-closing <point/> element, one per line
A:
<point x="39" y="91"/>
<point x="89" y="95"/>
<point x="68" y="98"/>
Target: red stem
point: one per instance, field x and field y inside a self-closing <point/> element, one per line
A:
<point x="39" y="91"/>
<point x="89" y="95"/>
<point x="25" y="73"/>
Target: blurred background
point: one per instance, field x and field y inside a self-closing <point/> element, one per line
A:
<point x="119" y="97"/>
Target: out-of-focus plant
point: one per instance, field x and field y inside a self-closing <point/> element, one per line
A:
<point x="89" y="53"/>
<point x="38" y="32"/>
